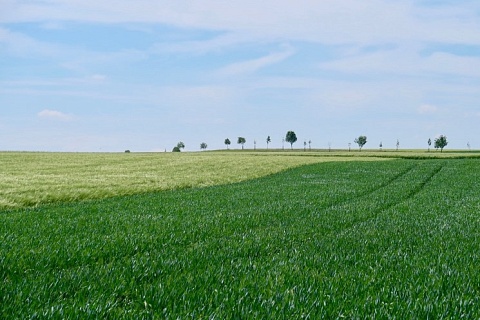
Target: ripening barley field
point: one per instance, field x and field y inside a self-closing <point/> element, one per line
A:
<point x="313" y="238"/>
<point x="31" y="179"/>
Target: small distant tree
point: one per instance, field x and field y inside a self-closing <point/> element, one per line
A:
<point x="268" y="141"/>
<point x="381" y="145"/>
<point x="441" y="142"/>
<point x="203" y="146"/>
<point x="398" y="144"/>
<point x="291" y="138"/>
<point x="181" y="145"/>
<point x="242" y="141"/>
<point x="429" y="144"/>
<point x="349" y="146"/>
<point x="305" y="145"/>
<point x="309" y="144"/>
<point x="176" y="149"/>
<point x="254" y="144"/>
<point x="468" y="146"/>
<point x="127" y="151"/>
<point x="227" y="142"/>
<point x="361" y="141"/>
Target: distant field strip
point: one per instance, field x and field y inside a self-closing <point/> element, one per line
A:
<point x="30" y="179"/>
<point x="358" y="240"/>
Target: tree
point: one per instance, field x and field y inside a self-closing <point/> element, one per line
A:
<point x="441" y="142"/>
<point x="241" y="140"/>
<point x="381" y="145"/>
<point x="181" y="145"/>
<point x="398" y="144"/>
<point x="268" y="141"/>
<point x="291" y="138"/>
<point x="203" y="146"/>
<point x="227" y="142"/>
<point x="309" y="144"/>
<point x="305" y="145"/>
<point x="429" y="144"/>
<point x="361" y="141"/>
<point x="176" y="149"/>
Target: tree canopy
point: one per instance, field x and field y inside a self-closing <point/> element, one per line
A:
<point x="227" y="142"/>
<point x="241" y="140"/>
<point x="181" y="145"/>
<point x="291" y="138"/>
<point x="440" y="142"/>
<point x="361" y="141"/>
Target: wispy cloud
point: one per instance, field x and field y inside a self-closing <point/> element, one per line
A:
<point x="54" y="115"/>
<point x="328" y="21"/>
<point x="250" y="66"/>
<point x="427" y="109"/>
<point x="21" y="44"/>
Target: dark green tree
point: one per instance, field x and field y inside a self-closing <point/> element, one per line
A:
<point x="268" y="141"/>
<point x="227" y="142"/>
<point x="441" y="142"/>
<point x="429" y="144"/>
<point x="203" y="146"/>
<point x="361" y="141"/>
<point x="291" y="138"/>
<point x="181" y="145"/>
<point x="241" y="140"/>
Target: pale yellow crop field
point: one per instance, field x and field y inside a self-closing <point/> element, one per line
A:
<point x="31" y="179"/>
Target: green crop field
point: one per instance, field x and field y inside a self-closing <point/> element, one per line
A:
<point x="240" y="235"/>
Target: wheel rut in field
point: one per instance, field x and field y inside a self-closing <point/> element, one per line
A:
<point x="396" y="190"/>
<point x="400" y="189"/>
<point x="371" y="191"/>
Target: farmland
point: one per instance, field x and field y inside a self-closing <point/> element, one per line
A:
<point x="285" y="236"/>
<point x="30" y="179"/>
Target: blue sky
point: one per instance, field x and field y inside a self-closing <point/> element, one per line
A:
<point x="143" y="75"/>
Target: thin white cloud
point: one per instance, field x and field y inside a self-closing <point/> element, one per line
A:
<point x="451" y="64"/>
<point x="250" y="66"/>
<point x="52" y="26"/>
<point x="54" y="115"/>
<point x="405" y="60"/>
<point x="98" y="77"/>
<point x="427" y="109"/>
<point x="20" y="44"/>
<point x="326" y="21"/>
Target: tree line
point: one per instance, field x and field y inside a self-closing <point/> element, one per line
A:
<point x="439" y="143"/>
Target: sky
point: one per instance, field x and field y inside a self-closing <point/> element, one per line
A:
<point x="112" y="75"/>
